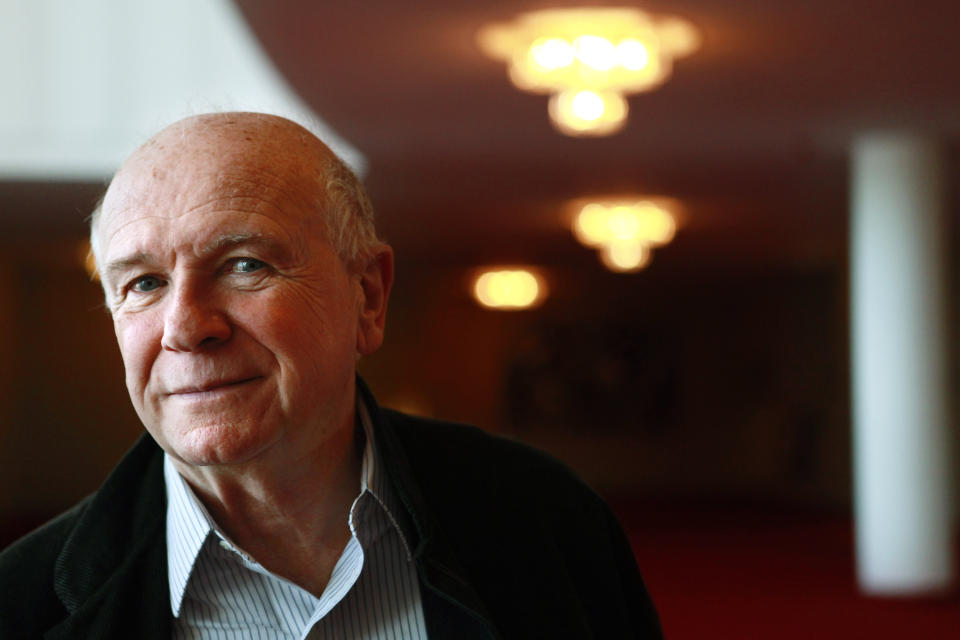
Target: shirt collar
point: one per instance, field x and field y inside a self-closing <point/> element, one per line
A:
<point x="189" y="524"/>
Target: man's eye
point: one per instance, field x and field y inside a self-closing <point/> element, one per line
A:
<point x="145" y="284"/>
<point x="247" y="265"/>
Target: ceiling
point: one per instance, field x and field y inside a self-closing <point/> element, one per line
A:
<point x="750" y="133"/>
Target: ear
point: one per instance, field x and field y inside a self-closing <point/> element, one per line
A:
<point x="376" y="279"/>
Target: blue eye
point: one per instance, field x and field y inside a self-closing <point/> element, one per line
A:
<point x="145" y="284"/>
<point x="248" y="265"/>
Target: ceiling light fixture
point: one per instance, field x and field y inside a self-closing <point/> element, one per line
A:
<point x="588" y="58"/>
<point x="625" y="230"/>
<point x="509" y="289"/>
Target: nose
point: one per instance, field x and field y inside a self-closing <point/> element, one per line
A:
<point x="192" y="321"/>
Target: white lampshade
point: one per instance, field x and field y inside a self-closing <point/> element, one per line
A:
<point x="85" y="83"/>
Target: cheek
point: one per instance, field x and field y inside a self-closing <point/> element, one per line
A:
<point x="321" y="317"/>
<point x="311" y="337"/>
<point x="139" y="342"/>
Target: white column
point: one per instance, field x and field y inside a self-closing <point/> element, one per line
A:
<point x="899" y="356"/>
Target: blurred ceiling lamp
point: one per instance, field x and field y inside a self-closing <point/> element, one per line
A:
<point x="85" y="256"/>
<point x="84" y="83"/>
<point x="509" y="289"/>
<point x="625" y="230"/>
<point x="588" y="58"/>
<point x="625" y="257"/>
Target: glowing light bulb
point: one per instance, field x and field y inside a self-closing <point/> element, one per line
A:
<point x="623" y="223"/>
<point x="632" y="54"/>
<point x="625" y="257"/>
<point x="552" y="53"/>
<point x="590" y="225"/>
<point x="587" y="105"/>
<point x="588" y="112"/>
<point x="508" y="289"/>
<point x="655" y="225"/>
<point x="596" y="52"/>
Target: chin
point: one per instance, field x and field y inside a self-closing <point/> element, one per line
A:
<point x="217" y="444"/>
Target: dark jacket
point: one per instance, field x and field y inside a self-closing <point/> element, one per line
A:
<point x="508" y="544"/>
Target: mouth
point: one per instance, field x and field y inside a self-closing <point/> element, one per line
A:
<point x="212" y="387"/>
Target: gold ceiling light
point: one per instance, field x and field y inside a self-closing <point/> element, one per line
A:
<point x="588" y="59"/>
<point x="625" y="230"/>
<point x="508" y="289"/>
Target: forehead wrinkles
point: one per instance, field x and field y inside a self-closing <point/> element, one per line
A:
<point x="177" y="237"/>
<point x="287" y="198"/>
<point x="189" y="185"/>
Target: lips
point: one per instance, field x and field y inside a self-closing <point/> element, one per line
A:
<point x="211" y="386"/>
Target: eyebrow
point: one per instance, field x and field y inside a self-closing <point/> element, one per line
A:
<point x="116" y="267"/>
<point x="226" y="241"/>
<point x="232" y="240"/>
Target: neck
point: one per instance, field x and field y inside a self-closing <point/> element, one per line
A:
<point x="291" y="514"/>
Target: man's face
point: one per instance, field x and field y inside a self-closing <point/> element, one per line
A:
<point x="238" y="324"/>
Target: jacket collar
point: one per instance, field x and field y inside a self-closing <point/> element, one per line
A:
<point x="452" y="606"/>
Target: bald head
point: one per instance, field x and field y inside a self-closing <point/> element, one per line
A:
<point x="237" y="150"/>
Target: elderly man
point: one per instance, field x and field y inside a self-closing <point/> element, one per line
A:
<point x="274" y="498"/>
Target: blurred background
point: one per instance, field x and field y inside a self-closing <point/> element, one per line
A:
<point x="706" y="395"/>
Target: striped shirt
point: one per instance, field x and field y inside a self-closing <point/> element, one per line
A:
<point x="218" y="591"/>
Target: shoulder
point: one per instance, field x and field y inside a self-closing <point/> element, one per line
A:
<point x="477" y="484"/>
<point x="481" y="462"/>
<point x="443" y="441"/>
<point x="40" y="548"/>
<point x="27" y="575"/>
<point x="538" y="544"/>
<point x="66" y="560"/>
